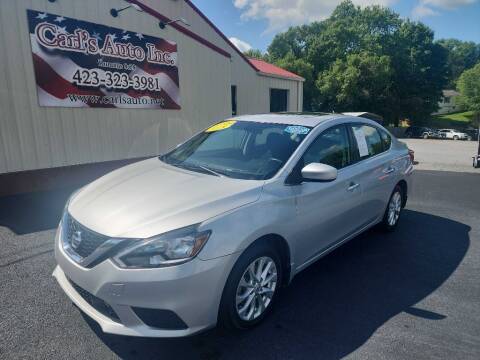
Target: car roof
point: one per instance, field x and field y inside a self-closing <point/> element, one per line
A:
<point x="303" y="119"/>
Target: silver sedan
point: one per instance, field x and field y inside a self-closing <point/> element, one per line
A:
<point x="208" y="232"/>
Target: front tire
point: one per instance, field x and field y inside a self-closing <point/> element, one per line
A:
<point x="252" y="287"/>
<point x="394" y="209"/>
<point x="455" y="137"/>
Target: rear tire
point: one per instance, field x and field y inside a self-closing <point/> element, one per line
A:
<point x="394" y="209"/>
<point x="250" y="293"/>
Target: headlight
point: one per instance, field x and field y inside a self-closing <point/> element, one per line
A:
<point x="171" y="248"/>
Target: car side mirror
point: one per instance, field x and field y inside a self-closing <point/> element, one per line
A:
<point x="319" y="172"/>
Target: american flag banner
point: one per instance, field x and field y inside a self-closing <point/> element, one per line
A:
<point x="82" y="64"/>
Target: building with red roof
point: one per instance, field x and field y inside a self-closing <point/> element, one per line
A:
<point x="272" y="70"/>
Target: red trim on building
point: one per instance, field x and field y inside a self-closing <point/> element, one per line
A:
<point x="217" y="30"/>
<point x="180" y="28"/>
<point x="270" y="69"/>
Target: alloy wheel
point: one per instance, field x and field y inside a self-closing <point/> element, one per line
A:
<point x="256" y="288"/>
<point x="394" y="208"/>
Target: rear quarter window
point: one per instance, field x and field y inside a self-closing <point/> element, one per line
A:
<point x="386" y="140"/>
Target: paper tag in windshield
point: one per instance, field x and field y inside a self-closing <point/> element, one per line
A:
<point x="221" y="126"/>
<point x="361" y="141"/>
<point x="296" y="129"/>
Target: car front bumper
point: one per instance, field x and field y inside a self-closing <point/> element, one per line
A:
<point x="180" y="300"/>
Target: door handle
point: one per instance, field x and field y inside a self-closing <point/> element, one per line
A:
<point x="352" y="186"/>
<point x="389" y="170"/>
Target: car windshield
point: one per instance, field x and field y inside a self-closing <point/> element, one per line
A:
<point x="239" y="149"/>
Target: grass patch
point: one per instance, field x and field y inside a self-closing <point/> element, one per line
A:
<point x="455" y="120"/>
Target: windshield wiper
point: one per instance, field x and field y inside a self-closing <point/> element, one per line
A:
<point x="193" y="167"/>
<point x="196" y="167"/>
<point x="210" y="170"/>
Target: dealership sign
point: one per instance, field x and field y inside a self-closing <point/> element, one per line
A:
<point x="82" y="64"/>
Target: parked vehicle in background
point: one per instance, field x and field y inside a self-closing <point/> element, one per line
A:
<point x="210" y="231"/>
<point x="473" y="134"/>
<point x="422" y="132"/>
<point x="454" y="134"/>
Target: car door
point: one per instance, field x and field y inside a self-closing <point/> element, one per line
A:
<point x="326" y="211"/>
<point x="375" y="170"/>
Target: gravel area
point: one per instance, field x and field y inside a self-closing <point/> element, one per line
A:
<point x="443" y="155"/>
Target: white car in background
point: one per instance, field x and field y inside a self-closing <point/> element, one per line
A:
<point x="454" y="134"/>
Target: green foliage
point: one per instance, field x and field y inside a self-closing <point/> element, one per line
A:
<point x="362" y="81"/>
<point x="469" y="88"/>
<point x="462" y="55"/>
<point x="367" y="59"/>
<point x="420" y="72"/>
<point x="293" y="41"/>
<point x="304" y="69"/>
<point x="465" y="116"/>
<point x="255" y="53"/>
<point x="460" y="120"/>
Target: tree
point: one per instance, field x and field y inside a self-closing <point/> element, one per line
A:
<point x="469" y="88"/>
<point x="462" y="55"/>
<point x="420" y="72"/>
<point x="305" y="70"/>
<point x="294" y="41"/>
<point x="254" y="53"/>
<point x="368" y="38"/>
<point x="362" y="81"/>
<point x="352" y="29"/>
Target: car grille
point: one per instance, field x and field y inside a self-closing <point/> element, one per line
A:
<point x="97" y="303"/>
<point x="90" y="240"/>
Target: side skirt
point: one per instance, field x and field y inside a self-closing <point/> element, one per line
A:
<point x="335" y="245"/>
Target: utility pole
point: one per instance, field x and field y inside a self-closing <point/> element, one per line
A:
<point x="476" y="158"/>
<point x="478" y="149"/>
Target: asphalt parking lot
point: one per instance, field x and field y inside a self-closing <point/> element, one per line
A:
<point x="412" y="294"/>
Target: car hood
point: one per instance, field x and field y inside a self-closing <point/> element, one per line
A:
<point x="150" y="197"/>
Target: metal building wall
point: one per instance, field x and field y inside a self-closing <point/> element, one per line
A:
<point x="253" y="89"/>
<point x="174" y="9"/>
<point x="33" y="137"/>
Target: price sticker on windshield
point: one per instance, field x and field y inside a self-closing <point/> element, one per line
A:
<point x="221" y="126"/>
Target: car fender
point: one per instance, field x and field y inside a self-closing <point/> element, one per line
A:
<point x="234" y="231"/>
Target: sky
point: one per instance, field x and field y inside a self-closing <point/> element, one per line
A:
<point x="254" y="23"/>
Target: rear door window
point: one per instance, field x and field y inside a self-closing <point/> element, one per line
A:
<point x="368" y="140"/>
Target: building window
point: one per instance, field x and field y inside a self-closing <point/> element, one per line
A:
<point x="234" y="99"/>
<point x="278" y="100"/>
